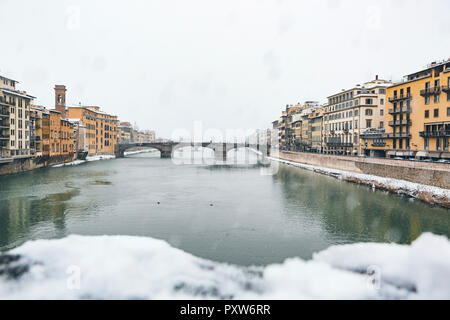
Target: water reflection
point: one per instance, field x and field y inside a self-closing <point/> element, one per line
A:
<point x="352" y="213"/>
<point x="19" y="216"/>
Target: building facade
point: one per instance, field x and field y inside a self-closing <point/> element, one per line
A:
<point x="351" y="112"/>
<point x="14" y="120"/>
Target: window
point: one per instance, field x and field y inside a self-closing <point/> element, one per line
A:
<point x="369" y="101"/>
<point x="381" y="124"/>
<point x="427" y="100"/>
<point x="436" y="113"/>
<point x="369" y="112"/>
<point x="382" y="91"/>
<point x="427" y="113"/>
<point x="436" y="98"/>
<point x="356" y="124"/>
<point x="448" y="112"/>
<point x="382" y="101"/>
<point x="381" y="112"/>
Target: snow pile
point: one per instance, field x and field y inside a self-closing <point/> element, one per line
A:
<point x="431" y="194"/>
<point x="124" y="267"/>
<point x="72" y="163"/>
<point x="128" y="153"/>
<point x="100" y="157"/>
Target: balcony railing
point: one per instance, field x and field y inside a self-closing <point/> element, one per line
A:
<point x="446" y="88"/>
<point x="339" y="144"/>
<point x="430" y="91"/>
<point x="400" y="97"/>
<point x="436" y="133"/>
<point x="400" y="110"/>
<point x="400" y="123"/>
<point x="398" y="135"/>
<point x="379" y="144"/>
<point x="4" y="113"/>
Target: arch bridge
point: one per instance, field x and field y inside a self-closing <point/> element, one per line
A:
<point x="220" y="148"/>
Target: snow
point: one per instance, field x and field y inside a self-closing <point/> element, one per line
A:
<point x="128" y="153"/>
<point x="88" y="159"/>
<point x="72" y="163"/>
<point x="100" y="157"/>
<point x="401" y="186"/>
<point x="125" y="267"/>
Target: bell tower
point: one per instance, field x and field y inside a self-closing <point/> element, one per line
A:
<point x="60" y="98"/>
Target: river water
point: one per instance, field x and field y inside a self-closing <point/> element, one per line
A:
<point x="232" y="213"/>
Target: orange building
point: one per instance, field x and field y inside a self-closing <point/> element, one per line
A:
<point x="101" y="128"/>
<point x="61" y="135"/>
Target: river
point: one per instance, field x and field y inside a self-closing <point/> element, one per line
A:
<point x="232" y="214"/>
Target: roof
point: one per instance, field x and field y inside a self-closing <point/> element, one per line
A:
<point x="9" y="79"/>
<point x="18" y="93"/>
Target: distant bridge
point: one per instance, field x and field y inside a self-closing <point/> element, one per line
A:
<point x="220" y="148"/>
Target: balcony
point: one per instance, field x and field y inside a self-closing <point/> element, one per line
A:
<point x="400" y="110"/>
<point x="434" y="134"/>
<point x="430" y="91"/>
<point x="400" y="123"/>
<point x="4" y="113"/>
<point x="379" y="144"/>
<point x="339" y="144"/>
<point x="446" y="88"/>
<point x="398" y="135"/>
<point x="400" y="97"/>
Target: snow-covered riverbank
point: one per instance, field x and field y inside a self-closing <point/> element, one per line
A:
<point x="430" y="194"/>
<point x="124" y="267"/>
<point x="88" y="159"/>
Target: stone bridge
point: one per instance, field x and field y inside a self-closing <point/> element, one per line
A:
<point x="220" y="148"/>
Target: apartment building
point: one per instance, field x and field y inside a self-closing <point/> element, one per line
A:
<point x="315" y="126"/>
<point x="418" y="118"/>
<point x="14" y="120"/>
<point x="126" y="132"/>
<point x="351" y="112"/>
<point x="61" y="135"/>
<point x="36" y="132"/>
<point x="99" y="129"/>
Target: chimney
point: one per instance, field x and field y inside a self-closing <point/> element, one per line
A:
<point x="60" y="99"/>
<point x="376" y="77"/>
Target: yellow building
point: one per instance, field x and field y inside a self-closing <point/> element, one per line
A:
<point x="315" y="127"/>
<point x="419" y="115"/>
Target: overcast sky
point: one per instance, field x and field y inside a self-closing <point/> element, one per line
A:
<point x="230" y="64"/>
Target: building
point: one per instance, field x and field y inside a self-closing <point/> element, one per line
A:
<point x="351" y="112"/>
<point x="61" y="135"/>
<point x="315" y="127"/>
<point x="126" y="132"/>
<point x="98" y="129"/>
<point x="14" y="120"/>
<point x="308" y="108"/>
<point x="418" y="118"/>
<point x="36" y="131"/>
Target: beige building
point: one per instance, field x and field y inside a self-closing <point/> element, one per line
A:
<point x="14" y="120"/>
<point x="351" y="112"/>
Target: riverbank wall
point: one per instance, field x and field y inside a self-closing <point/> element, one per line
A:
<point x="24" y="164"/>
<point x="429" y="182"/>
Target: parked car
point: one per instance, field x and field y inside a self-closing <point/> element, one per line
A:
<point x="443" y="161"/>
<point x="398" y="158"/>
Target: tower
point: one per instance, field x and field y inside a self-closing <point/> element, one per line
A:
<point x="60" y="98"/>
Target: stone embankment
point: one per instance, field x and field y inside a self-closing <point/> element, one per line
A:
<point x="428" y="182"/>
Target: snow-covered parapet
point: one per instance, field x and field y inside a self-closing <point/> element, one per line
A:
<point x="430" y="194"/>
<point x="124" y="267"/>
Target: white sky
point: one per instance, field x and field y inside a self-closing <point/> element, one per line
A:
<point x="230" y="64"/>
